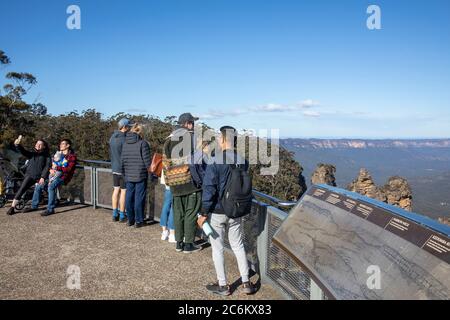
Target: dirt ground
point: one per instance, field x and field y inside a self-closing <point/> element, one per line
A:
<point x="39" y="256"/>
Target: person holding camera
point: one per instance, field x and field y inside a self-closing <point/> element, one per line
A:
<point x="37" y="169"/>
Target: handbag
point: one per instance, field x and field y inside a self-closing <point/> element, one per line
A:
<point x="176" y="172"/>
<point x="157" y="165"/>
<point x="177" y="175"/>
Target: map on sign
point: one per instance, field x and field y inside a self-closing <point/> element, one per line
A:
<point x="339" y="237"/>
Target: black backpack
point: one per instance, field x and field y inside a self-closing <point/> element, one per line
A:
<point x="236" y="200"/>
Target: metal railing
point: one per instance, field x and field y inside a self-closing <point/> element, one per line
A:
<point x="92" y="185"/>
<point x="276" y="201"/>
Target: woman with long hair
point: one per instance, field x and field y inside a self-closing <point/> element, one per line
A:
<point x="37" y="168"/>
<point x="135" y="163"/>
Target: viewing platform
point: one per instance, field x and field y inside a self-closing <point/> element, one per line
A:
<point x="115" y="261"/>
<point x="332" y="244"/>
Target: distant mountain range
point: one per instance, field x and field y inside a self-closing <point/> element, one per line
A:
<point x="425" y="163"/>
<point x="362" y="144"/>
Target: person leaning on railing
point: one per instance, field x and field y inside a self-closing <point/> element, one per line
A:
<point x="116" y="143"/>
<point x="135" y="163"/>
<point x="166" y="219"/>
<point x="186" y="195"/>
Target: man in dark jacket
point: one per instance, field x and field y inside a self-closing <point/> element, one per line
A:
<point x="63" y="176"/>
<point x="135" y="163"/>
<point x="179" y="148"/>
<point x="115" y="152"/>
<point x="37" y="168"/>
<point x="214" y="183"/>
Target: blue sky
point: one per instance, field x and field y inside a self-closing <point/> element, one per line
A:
<point x="308" y="68"/>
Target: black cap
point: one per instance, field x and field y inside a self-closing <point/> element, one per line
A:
<point x="186" y="117"/>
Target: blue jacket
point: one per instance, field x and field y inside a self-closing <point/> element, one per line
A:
<point x="198" y="167"/>
<point x="214" y="182"/>
<point x="115" y="150"/>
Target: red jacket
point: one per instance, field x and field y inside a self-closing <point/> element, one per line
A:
<point x="67" y="172"/>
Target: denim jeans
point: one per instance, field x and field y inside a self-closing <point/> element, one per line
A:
<point x="52" y="188"/>
<point x="135" y="200"/>
<point x="166" y="219"/>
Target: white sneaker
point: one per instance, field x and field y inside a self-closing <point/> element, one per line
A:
<point x="165" y="235"/>
<point x="172" y="238"/>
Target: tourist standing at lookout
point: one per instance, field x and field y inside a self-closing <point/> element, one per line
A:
<point x="37" y="168"/>
<point x="227" y="192"/>
<point x="135" y="163"/>
<point x="115" y="153"/>
<point x="62" y="175"/>
<point x="178" y="151"/>
<point x="166" y="220"/>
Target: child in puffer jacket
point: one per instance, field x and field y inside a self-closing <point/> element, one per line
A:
<point x="58" y="160"/>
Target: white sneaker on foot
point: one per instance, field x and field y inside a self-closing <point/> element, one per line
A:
<point x="172" y="238"/>
<point x="165" y="235"/>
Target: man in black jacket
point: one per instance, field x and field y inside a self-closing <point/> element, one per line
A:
<point x="37" y="170"/>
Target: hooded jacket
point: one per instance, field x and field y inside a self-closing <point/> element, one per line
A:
<point x="183" y="140"/>
<point x="115" y="150"/>
<point x="39" y="164"/>
<point x="135" y="158"/>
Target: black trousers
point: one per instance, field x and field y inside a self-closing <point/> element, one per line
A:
<point x="26" y="184"/>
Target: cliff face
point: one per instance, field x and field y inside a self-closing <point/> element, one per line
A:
<point x="396" y="191"/>
<point x="365" y="185"/>
<point x="324" y="174"/>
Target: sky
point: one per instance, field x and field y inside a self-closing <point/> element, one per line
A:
<point x="306" y="68"/>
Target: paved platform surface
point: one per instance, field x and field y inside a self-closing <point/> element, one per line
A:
<point x="115" y="261"/>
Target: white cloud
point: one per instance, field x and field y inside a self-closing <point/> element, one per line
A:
<point x="307" y="104"/>
<point x="267" y="108"/>
<point x="271" y="107"/>
<point x="309" y="113"/>
<point x="215" y="114"/>
<point x="136" y="110"/>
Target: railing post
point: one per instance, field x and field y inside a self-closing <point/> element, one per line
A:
<point x="262" y="242"/>
<point x="94" y="187"/>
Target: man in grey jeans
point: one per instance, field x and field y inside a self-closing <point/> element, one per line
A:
<point x="213" y="186"/>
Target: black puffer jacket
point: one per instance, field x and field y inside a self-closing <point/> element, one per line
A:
<point x="39" y="164"/>
<point x="135" y="158"/>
